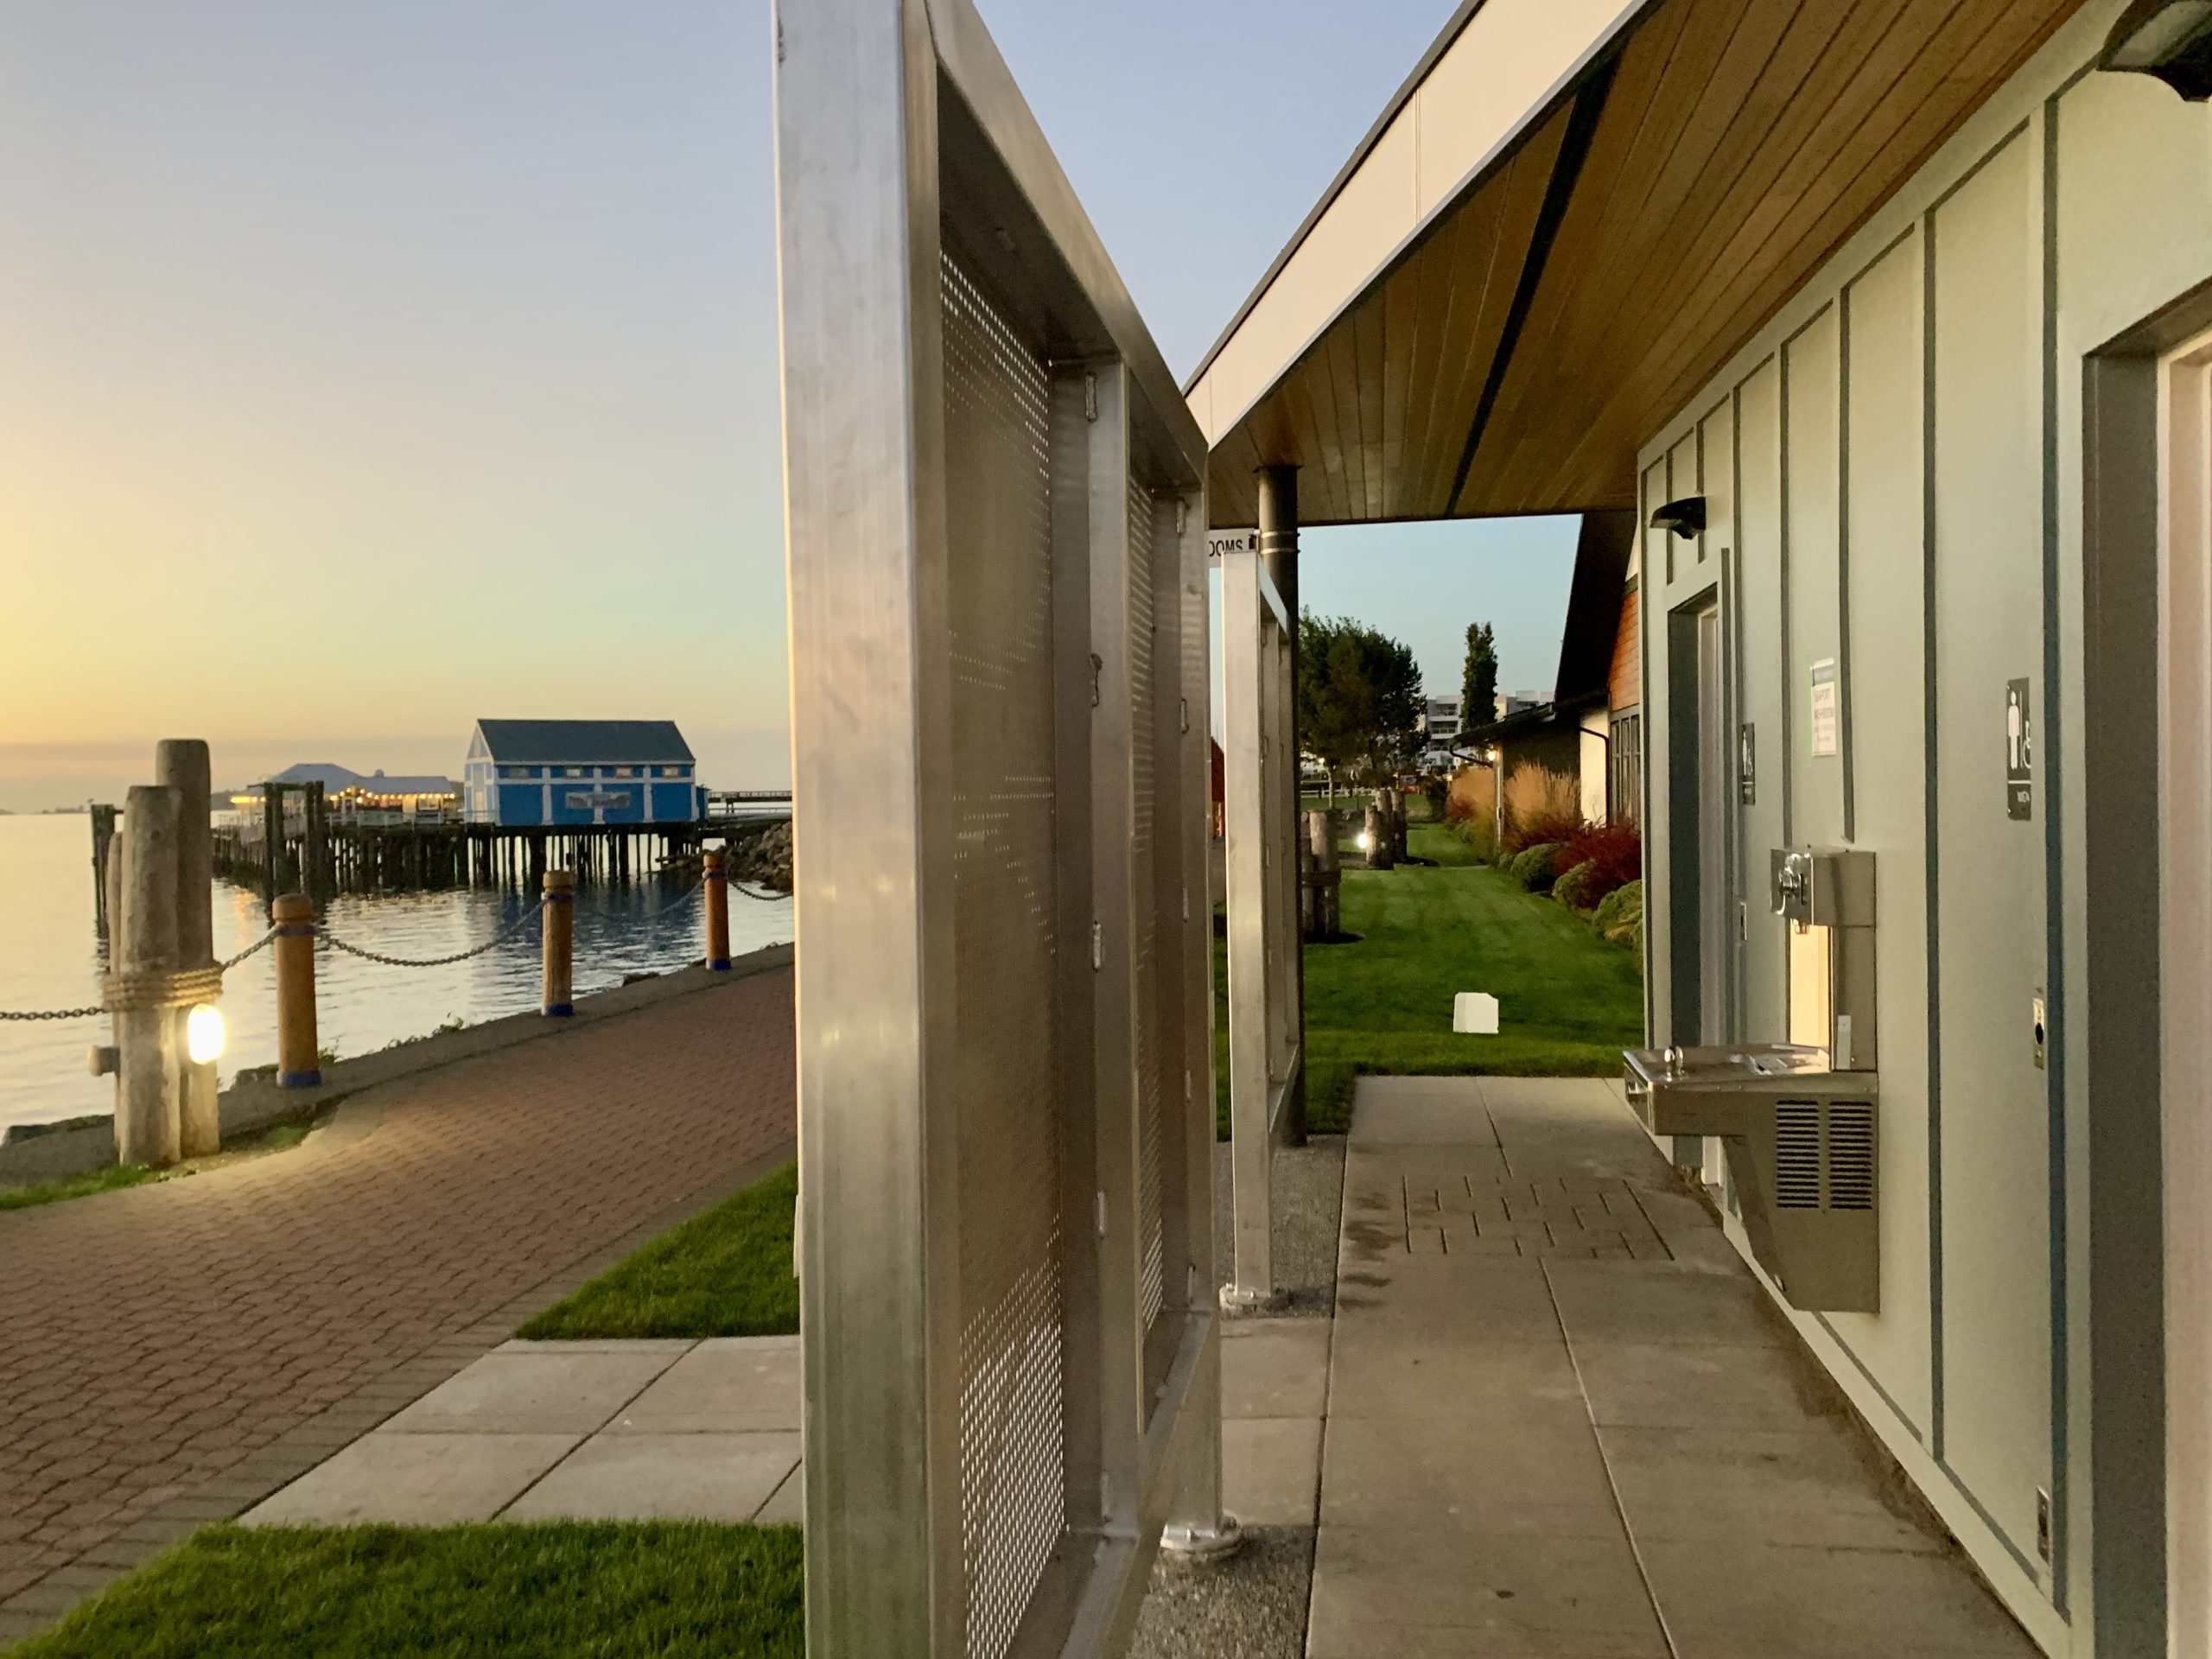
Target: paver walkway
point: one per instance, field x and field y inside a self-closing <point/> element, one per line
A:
<point x="1561" y="1421"/>
<point x="153" y="1342"/>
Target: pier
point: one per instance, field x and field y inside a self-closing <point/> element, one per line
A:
<point x="295" y="844"/>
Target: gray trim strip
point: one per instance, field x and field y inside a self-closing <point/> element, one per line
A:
<point x="2054" y="835"/>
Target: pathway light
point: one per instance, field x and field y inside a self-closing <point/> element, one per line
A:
<point x="203" y="1034"/>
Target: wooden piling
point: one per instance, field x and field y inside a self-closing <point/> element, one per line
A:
<point x="180" y="763"/>
<point x="299" y="1059"/>
<point x="148" y="1040"/>
<point x="558" y="925"/>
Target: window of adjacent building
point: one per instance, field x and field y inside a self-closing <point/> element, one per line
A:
<point x="1625" y="781"/>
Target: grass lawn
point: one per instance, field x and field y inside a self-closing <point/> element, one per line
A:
<point x="109" y="1179"/>
<point x="670" y="1590"/>
<point x="1569" y="1001"/>
<point x="113" y="1178"/>
<point x="726" y="1272"/>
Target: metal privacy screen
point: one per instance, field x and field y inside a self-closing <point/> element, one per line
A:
<point x="994" y="512"/>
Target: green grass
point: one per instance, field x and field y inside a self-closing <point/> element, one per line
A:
<point x="726" y="1272"/>
<point x="669" y="1590"/>
<point x="112" y="1179"/>
<point x="1569" y="1001"/>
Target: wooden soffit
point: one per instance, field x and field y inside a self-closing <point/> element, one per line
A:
<point x="1567" y="221"/>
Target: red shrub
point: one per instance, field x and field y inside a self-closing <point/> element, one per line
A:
<point x="1616" y="849"/>
<point x="1539" y="830"/>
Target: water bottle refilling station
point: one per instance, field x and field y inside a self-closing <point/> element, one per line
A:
<point x="1797" y="1118"/>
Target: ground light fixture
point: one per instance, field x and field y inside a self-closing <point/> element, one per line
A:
<point x="2169" y="40"/>
<point x="1365" y="846"/>
<point x="204" y="1033"/>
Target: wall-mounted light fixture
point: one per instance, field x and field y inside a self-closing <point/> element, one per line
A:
<point x="2171" y="40"/>
<point x="1686" y="518"/>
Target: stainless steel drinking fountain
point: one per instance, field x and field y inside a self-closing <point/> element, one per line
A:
<point x="1797" y="1119"/>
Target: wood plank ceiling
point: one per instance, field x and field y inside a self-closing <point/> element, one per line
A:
<point x="1570" y="301"/>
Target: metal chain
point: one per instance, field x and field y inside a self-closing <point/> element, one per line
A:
<point x="262" y="943"/>
<point x="499" y="938"/>
<point x="676" y="903"/>
<point x="768" y="898"/>
<point x="85" y="1013"/>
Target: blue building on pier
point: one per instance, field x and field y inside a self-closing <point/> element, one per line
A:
<point x="565" y="774"/>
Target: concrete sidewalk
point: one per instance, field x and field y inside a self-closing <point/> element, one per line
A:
<point x="1561" y="1421"/>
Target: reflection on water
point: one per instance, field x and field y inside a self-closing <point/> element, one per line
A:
<point x="50" y="956"/>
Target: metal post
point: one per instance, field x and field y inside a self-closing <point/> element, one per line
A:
<point x="559" y="927"/>
<point x="1251" y="743"/>
<point x="1278" y="549"/>
<point x="148" y="1039"/>
<point x="299" y="1058"/>
<point x="180" y="763"/>
<point x="717" y="895"/>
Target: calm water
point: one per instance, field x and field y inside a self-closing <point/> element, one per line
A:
<point x="50" y="956"/>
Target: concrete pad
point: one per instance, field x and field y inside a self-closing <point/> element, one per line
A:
<point x="1819" y="1487"/>
<point x="415" y="1480"/>
<point x="1274" y="1367"/>
<point x="1396" y="1590"/>
<point x="788" y="1507"/>
<point x="726" y="1385"/>
<point x="674" y="1347"/>
<point x="1496" y="1298"/>
<point x="1271" y="1470"/>
<point x="553" y="1393"/>
<point x="1604" y="1301"/>
<point x="1673" y="1385"/>
<point x="1825" y="1604"/>
<point x="662" y="1477"/>
<point x="1451" y="1473"/>
<point x="1419" y="1111"/>
<point x="1403" y="1370"/>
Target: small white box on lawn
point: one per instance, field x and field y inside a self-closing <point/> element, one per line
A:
<point x="1475" y="1012"/>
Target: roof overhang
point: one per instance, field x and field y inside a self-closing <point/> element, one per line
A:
<point x="1566" y="222"/>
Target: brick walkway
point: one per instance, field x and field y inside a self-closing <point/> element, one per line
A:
<point x="154" y="1341"/>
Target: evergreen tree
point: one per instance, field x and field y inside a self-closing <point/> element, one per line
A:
<point x="1478" y="684"/>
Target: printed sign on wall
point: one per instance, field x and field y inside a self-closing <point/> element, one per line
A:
<point x="1827" y="711"/>
<point x="592" y="801"/>
<point x="1221" y="542"/>
<point x="2019" y="753"/>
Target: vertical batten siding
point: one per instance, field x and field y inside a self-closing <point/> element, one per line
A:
<point x="1906" y="497"/>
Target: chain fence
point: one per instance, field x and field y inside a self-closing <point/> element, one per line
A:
<point x="323" y="932"/>
<point x="496" y="940"/>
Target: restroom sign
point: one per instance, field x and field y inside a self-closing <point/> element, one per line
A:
<point x="2019" y="753"/>
<point x="1827" y="711"/>
<point x="1222" y="543"/>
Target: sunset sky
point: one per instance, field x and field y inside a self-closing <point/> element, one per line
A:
<point x="366" y="369"/>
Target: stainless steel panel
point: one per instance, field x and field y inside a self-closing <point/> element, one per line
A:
<point x="998" y="627"/>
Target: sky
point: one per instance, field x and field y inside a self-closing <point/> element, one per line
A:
<point x="366" y="370"/>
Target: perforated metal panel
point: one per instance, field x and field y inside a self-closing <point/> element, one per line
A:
<point x="1144" y="881"/>
<point x="998" y="470"/>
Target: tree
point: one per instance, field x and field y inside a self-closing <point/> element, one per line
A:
<point x="1478" y="684"/>
<point x="1359" y="698"/>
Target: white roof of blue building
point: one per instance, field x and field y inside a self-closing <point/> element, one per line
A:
<point x="585" y="742"/>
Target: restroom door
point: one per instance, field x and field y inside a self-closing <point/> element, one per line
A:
<point x="1712" y="834"/>
<point x="1698" y="944"/>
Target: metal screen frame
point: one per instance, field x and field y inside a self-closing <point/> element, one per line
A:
<point x="1259" y="769"/>
<point x="995" y="515"/>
